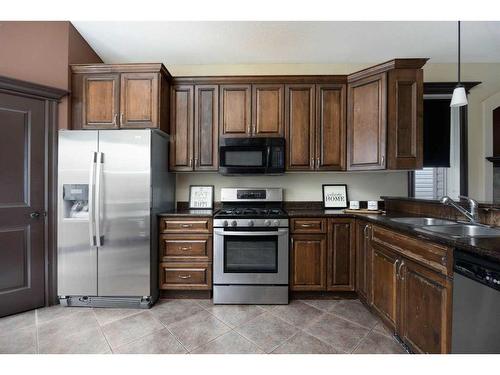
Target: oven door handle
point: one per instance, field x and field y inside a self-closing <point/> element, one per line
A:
<point x="279" y="232"/>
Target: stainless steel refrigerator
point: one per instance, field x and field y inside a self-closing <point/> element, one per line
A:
<point x="111" y="185"/>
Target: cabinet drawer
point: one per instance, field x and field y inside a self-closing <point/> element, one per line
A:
<point x="309" y="225"/>
<point x="186" y="248"/>
<point x="195" y="276"/>
<point x="438" y="257"/>
<point x="191" y="225"/>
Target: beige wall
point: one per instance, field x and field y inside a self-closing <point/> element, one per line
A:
<point x="41" y="52"/>
<point x="307" y="186"/>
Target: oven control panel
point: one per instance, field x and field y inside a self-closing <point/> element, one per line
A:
<point x="228" y="223"/>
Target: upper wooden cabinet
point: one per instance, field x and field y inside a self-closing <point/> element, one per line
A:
<point x="120" y="96"/>
<point x="300" y="127"/>
<point x="405" y="119"/>
<point x="194" y="138"/>
<point x="235" y="110"/>
<point x="315" y="126"/>
<point x="267" y="110"/>
<point x="384" y="116"/>
<point x="330" y="127"/>
<point x="366" y="123"/>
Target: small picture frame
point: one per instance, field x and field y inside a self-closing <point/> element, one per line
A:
<point x="335" y="196"/>
<point x="201" y="197"/>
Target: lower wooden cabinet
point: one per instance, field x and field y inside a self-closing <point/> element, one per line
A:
<point x="322" y="255"/>
<point x="185" y="253"/>
<point x="425" y="306"/>
<point x="194" y="276"/>
<point x="411" y="288"/>
<point x="384" y="284"/>
<point x="363" y="256"/>
<point x="308" y="262"/>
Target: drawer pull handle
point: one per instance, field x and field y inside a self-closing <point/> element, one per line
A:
<point x="306" y="225"/>
<point x="184" y="276"/>
<point x="186" y="248"/>
<point x="186" y="225"/>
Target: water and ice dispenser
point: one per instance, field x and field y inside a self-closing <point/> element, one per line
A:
<point x="76" y="201"/>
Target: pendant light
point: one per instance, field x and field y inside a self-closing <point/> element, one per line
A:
<point x="459" y="98"/>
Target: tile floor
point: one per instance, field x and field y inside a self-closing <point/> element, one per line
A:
<point x="198" y="326"/>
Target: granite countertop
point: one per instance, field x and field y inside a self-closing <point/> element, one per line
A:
<point x="187" y="212"/>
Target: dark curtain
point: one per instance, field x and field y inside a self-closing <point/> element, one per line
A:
<point x="437" y="119"/>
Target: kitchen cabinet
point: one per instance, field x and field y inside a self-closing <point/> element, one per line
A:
<point x="330" y="127"/>
<point x="308" y="262"/>
<point x="315" y="124"/>
<point x="425" y="321"/>
<point x="268" y="110"/>
<point x="384" y="116"/>
<point x="412" y="289"/>
<point x="181" y="128"/>
<point x="384" y="284"/>
<point x="341" y="255"/>
<point x="322" y="254"/>
<point x="194" y="139"/>
<point x="363" y="256"/>
<point x="185" y="246"/>
<point x="300" y="113"/>
<point x="366" y="123"/>
<point x="122" y="96"/>
<point x="235" y="110"/>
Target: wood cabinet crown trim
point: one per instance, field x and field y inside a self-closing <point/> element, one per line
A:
<point x="277" y="79"/>
<point x="412" y="63"/>
<point x="120" y="68"/>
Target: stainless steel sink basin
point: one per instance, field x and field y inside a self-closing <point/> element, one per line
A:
<point x="422" y="221"/>
<point x="463" y="230"/>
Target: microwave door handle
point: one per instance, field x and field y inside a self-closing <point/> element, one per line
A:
<point x="268" y="157"/>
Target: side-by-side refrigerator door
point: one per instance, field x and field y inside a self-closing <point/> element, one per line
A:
<point x="124" y="193"/>
<point x="77" y="251"/>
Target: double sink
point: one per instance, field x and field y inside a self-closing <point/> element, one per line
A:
<point x="447" y="227"/>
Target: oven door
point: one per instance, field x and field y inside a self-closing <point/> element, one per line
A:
<point x="251" y="256"/>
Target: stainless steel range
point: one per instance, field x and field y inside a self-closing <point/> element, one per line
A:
<point x="251" y="247"/>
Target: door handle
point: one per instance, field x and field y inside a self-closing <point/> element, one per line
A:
<point x="91" y="199"/>
<point x="35" y="215"/>
<point x="97" y="205"/>
<point x="399" y="270"/>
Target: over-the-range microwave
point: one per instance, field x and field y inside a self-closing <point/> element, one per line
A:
<point x="251" y="156"/>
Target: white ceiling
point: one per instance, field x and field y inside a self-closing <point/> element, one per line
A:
<point x="289" y="42"/>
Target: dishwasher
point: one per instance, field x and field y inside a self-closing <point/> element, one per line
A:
<point x="476" y="305"/>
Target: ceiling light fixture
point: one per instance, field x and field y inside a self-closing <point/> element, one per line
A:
<point x="459" y="98"/>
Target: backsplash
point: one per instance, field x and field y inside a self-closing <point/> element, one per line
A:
<point x="303" y="186"/>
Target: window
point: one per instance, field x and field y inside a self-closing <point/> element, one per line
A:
<point x="432" y="182"/>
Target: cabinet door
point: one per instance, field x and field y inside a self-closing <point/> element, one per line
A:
<point x="331" y="127"/>
<point x="363" y="254"/>
<point x="206" y="128"/>
<point x="308" y="262"/>
<point x="100" y="101"/>
<point x="267" y="110"/>
<point x="235" y="114"/>
<point x="366" y="123"/>
<point x="300" y="127"/>
<point x="425" y="321"/>
<point x="139" y="100"/>
<point x="405" y="119"/>
<point x="181" y="128"/>
<point x="384" y="284"/>
<point x="341" y="255"/>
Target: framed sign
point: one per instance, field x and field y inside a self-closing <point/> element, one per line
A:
<point x="335" y="196"/>
<point x="201" y="197"/>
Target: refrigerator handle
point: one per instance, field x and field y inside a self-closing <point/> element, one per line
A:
<point x="97" y="204"/>
<point x="91" y="199"/>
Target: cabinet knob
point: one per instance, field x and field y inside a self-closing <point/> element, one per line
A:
<point x="35" y="215"/>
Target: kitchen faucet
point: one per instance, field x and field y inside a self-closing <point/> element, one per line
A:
<point x="471" y="215"/>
